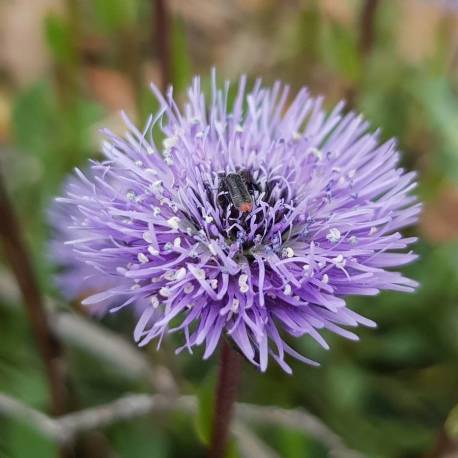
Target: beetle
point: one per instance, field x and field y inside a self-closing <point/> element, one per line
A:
<point x="234" y="188"/>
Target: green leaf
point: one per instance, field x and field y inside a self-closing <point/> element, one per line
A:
<point x="59" y="38"/>
<point x="138" y="438"/>
<point x="23" y="441"/>
<point x="111" y="15"/>
<point x="32" y="119"/>
<point x="60" y="139"/>
<point x="352" y="392"/>
<point x="440" y="106"/>
<point x="181" y="63"/>
<point x="339" y="50"/>
<point x="204" y="417"/>
<point x="295" y="444"/>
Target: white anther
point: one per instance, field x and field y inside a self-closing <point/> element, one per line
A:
<point x="212" y="248"/>
<point x="152" y="250"/>
<point x="154" y="301"/>
<point x="169" y="275"/>
<point x="287" y="252"/>
<point x="142" y="258"/>
<point x="188" y="288"/>
<point x="339" y="261"/>
<point x="287" y="290"/>
<point x="156" y="187"/>
<point x="151" y="171"/>
<point x="148" y="237"/>
<point x="235" y="305"/>
<point x="174" y="222"/>
<point x="170" y="142"/>
<point x="165" y="291"/>
<point x="131" y="195"/>
<point x="243" y="279"/>
<point x="199" y="274"/>
<point x="180" y="273"/>
<point x="333" y="235"/>
<point x="244" y="288"/>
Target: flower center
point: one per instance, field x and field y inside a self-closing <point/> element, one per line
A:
<point x="255" y="210"/>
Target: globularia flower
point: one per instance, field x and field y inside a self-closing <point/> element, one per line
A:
<point x="250" y="222"/>
<point x="75" y="279"/>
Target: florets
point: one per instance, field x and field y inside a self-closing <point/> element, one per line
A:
<point x="310" y="216"/>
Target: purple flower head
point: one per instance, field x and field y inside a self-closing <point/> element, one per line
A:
<point x="76" y="279"/>
<point x="250" y="222"/>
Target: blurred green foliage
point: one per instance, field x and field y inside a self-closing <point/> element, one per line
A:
<point x="388" y="396"/>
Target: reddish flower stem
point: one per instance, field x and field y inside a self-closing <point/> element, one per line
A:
<point x="162" y="39"/>
<point x="367" y="26"/>
<point x="226" y="393"/>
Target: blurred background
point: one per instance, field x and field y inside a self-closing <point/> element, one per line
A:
<point x="66" y="69"/>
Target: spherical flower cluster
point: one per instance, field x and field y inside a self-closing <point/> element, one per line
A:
<point x="77" y="279"/>
<point x="248" y="220"/>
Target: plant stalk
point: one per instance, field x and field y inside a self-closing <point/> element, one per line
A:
<point x="226" y="393"/>
<point x="18" y="256"/>
<point x="162" y="38"/>
<point x="49" y="347"/>
<point x="367" y="27"/>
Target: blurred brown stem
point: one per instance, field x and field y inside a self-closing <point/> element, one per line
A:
<point x="367" y="27"/>
<point x="444" y="447"/>
<point x="366" y="42"/>
<point x="162" y="38"/>
<point x="226" y="393"/>
<point x="17" y="254"/>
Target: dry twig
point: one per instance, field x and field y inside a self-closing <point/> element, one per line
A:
<point x="66" y="428"/>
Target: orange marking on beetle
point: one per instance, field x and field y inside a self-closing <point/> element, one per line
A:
<point x="246" y="207"/>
